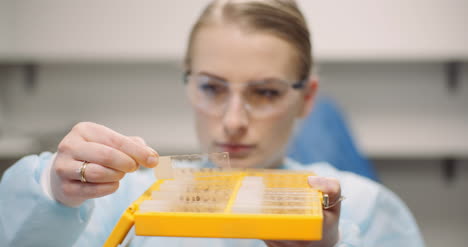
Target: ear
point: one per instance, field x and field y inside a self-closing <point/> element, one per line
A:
<point x="310" y="91"/>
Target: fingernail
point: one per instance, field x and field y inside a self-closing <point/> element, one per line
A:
<point x="152" y="161"/>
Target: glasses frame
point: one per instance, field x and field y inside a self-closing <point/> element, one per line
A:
<point x="297" y="85"/>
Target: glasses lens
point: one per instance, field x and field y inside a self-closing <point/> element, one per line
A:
<point x="212" y="89"/>
<point x="207" y="92"/>
<point x="263" y="97"/>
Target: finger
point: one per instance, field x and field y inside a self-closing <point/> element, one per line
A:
<point x="330" y="186"/>
<point x="93" y="173"/>
<point x="103" y="155"/>
<point x="142" y="154"/>
<point x="89" y="190"/>
<point x="138" y="139"/>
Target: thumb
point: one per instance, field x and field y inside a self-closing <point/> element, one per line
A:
<point x="330" y="186"/>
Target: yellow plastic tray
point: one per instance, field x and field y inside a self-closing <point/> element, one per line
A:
<point x="306" y="225"/>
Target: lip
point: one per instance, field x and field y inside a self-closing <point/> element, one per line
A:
<point x="236" y="149"/>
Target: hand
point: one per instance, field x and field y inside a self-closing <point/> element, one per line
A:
<point x="331" y="216"/>
<point x="110" y="156"/>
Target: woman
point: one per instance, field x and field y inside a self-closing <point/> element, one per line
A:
<point x="248" y="79"/>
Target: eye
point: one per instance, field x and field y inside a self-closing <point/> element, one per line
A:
<point x="212" y="88"/>
<point x="267" y="93"/>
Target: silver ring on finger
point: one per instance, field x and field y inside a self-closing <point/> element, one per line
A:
<point x="326" y="201"/>
<point x="82" y="171"/>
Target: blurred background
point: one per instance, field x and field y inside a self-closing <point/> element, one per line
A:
<point x="398" y="69"/>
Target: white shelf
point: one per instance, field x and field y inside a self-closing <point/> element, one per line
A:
<point x="54" y="31"/>
<point x="417" y="137"/>
<point x="152" y="58"/>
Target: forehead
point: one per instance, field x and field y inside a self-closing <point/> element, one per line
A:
<point x="228" y="51"/>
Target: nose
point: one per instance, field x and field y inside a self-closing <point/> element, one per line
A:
<point x="235" y="119"/>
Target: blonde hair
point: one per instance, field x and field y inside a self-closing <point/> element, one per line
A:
<point x="281" y="18"/>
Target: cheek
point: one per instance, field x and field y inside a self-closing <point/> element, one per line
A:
<point x="276" y="131"/>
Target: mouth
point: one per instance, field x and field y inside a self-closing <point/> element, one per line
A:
<point x="235" y="150"/>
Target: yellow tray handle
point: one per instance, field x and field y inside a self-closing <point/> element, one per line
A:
<point x="122" y="228"/>
<point x="127" y="220"/>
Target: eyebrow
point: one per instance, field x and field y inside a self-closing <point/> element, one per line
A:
<point x="212" y="75"/>
<point x="266" y="79"/>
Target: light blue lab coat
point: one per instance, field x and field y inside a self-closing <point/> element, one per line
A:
<point x="371" y="214"/>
